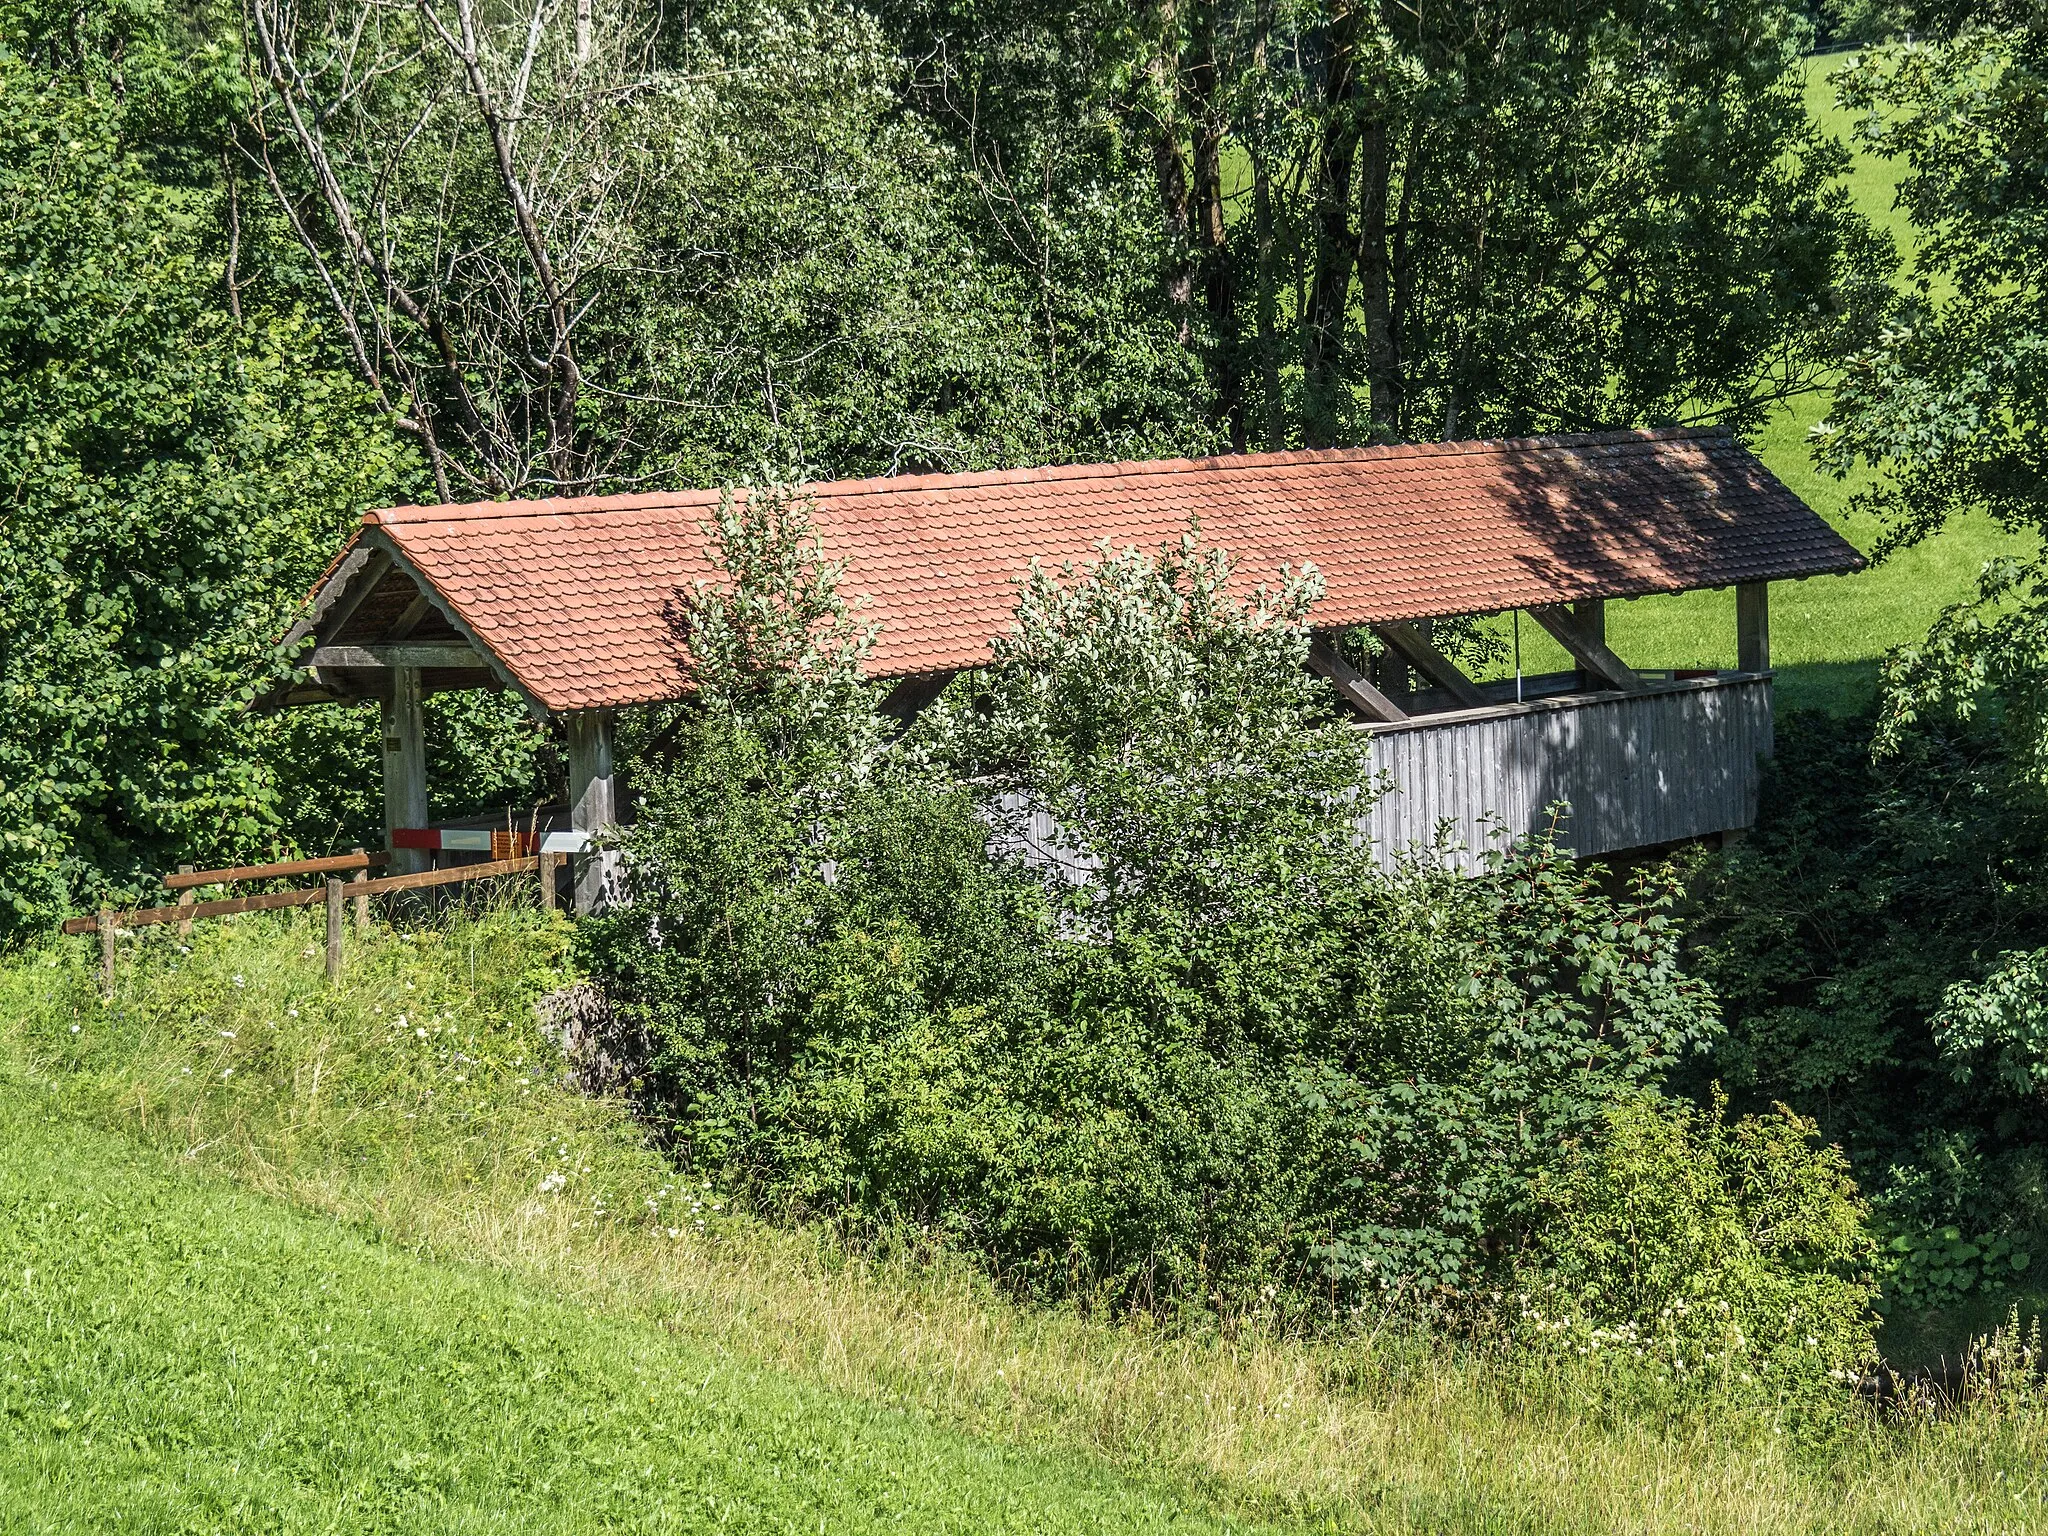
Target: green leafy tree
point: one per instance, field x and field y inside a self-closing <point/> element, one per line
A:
<point x="1950" y="405"/>
<point x="1091" y="972"/>
<point x="1384" y="221"/>
<point x="178" y="475"/>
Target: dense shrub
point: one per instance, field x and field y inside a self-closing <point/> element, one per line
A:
<point x="1703" y="1247"/>
<point x="1872" y="943"/>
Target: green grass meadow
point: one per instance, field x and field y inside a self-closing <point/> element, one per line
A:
<point x="183" y="1355"/>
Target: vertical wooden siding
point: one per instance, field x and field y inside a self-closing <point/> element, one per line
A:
<point x="1678" y="761"/>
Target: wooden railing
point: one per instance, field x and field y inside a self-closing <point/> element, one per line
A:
<point x="336" y="893"/>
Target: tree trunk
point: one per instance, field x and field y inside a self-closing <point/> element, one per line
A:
<point x="1212" y="237"/>
<point x="1274" y="422"/>
<point x="1171" y="171"/>
<point x="1375" y="280"/>
<point x="1414" y="166"/>
<point x="1335" y="248"/>
<point x="1274" y="426"/>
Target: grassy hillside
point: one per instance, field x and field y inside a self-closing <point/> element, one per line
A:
<point x="184" y="1356"/>
<point x="1827" y="634"/>
<point x="536" y="1323"/>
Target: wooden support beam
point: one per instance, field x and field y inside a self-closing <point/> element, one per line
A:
<point x="415" y="614"/>
<point x="106" y="927"/>
<point x="456" y="875"/>
<point x="1591" y="615"/>
<point x="593" y="802"/>
<point x="1587" y="650"/>
<point x="1753" y="627"/>
<point x="405" y="766"/>
<point x="1414" y="647"/>
<point x="362" y="900"/>
<point x="144" y="917"/>
<point x="360" y="889"/>
<point x="187" y="876"/>
<point x="334" y="901"/>
<point x="912" y="694"/>
<point x="1350" y="683"/>
<point x="388" y="657"/>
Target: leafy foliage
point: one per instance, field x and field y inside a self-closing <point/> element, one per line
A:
<point x="1939" y="1269"/>
<point x="1950" y="403"/>
<point x="1854" y="939"/>
<point x="175" y="474"/>
<point x="1479" y="218"/>
<point x="1714" y="1250"/>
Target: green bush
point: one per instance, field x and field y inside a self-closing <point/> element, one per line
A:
<point x="1873" y="946"/>
<point x="1702" y="1248"/>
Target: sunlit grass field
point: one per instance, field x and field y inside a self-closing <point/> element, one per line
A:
<point x="183" y="1355"/>
<point x="278" y="1256"/>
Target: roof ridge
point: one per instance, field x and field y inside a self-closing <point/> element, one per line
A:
<point x="541" y="506"/>
<point x="1237" y="462"/>
<point x="1112" y="469"/>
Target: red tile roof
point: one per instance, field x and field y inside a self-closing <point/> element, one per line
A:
<point x="578" y="598"/>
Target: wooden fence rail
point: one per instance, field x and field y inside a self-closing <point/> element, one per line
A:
<point x="186" y="879"/>
<point x="106" y="922"/>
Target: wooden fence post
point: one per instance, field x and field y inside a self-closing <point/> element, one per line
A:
<point x="185" y="899"/>
<point x="106" y="952"/>
<point x="549" y="862"/>
<point x="362" y="877"/>
<point x="333" y="929"/>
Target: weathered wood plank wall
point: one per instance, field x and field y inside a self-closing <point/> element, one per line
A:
<point x="1678" y="760"/>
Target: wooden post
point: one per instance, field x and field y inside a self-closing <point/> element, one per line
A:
<point x="593" y="804"/>
<point x="185" y="899"/>
<point x="106" y="952"/>
<point x="334" y="899"/>
<point x="405" y="766"/>
<point x="1753" y="627"/>
<point x="549" y="863"/>
<point x="362" y="877"/>
<point x="1592" y="617"/>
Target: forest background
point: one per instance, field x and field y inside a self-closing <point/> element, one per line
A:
<point x="266" y="268"/>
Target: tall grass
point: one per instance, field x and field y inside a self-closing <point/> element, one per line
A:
<point x="420" y="1098"/>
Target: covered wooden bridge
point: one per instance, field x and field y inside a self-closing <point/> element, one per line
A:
<point x="576" y="606"/>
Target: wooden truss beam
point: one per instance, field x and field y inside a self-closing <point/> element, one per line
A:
<point x="1586" y="647"/>
<point x="1413" y="647"/>
<point x="371" y="566"/>
<point x="1351" y="684"/>
<point x="410" y="620"/>
<point x="912" y="694"/>
<point x="385" y="657"/>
